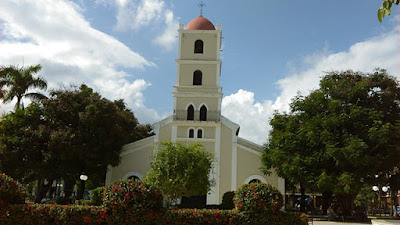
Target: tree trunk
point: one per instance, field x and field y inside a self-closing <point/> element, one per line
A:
<point x="303" y="198"/>
<point x="326" y="200"/>
<point x="42" y="190"/>
<point x="17" y="105"/>
<point x="81" y="191"/>
<point x="68" y="188"/>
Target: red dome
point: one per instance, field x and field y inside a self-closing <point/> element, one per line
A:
<point x="200" y="23"/>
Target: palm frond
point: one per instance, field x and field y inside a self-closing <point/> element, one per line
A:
<point x="38" y="82"/>
<point x="19" y="80"/>
<point x="35" y="96"/>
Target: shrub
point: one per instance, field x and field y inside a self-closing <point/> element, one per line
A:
<point x="10" y="191"/>
<point x="258" y="198"/>
<point x="40" y="214"/>
<point x="44" y="214"/>
<point x="96" y="196"/>
<point x="203" y="216"/>
<point x="227" y="200"/>
<point x="131" y="202"/>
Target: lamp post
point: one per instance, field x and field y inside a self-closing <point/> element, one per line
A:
<point x="385" y="190"/>
<point x="376" y="189"/>
<point x="83" y="178"/>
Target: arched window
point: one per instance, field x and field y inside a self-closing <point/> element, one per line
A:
<point x="203" y="113"/>
<point x="198" y="46"/>
<point x="197" y="77"/>
<point x="199" y="133"/>
<point x="191" y="133"/>
<point x="190" y="113"/>
<point x="255" y="181"/>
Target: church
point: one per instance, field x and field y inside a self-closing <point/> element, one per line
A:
<point x="197" y="117"/>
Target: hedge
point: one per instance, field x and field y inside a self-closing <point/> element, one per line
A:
<point x="38" y="214"/>
<point x="10" y="191"/>
<point x="46" y="214"/>
<point x="129" y="202"/>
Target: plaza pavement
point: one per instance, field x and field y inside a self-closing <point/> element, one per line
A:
<point x="377" y="222"/>
<point x="336" y="223"/>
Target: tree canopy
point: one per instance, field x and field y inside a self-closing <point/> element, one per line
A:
<point x="178" y="170"/>
<point x="72" y="132"/>
<point x="20" y="80"/>
<point x="339" y="136"/>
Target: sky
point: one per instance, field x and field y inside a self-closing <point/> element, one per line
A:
<point x="271" y="50"/>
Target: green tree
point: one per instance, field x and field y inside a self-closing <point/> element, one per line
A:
<point x="350" y="128"/>
<point x="290" y="155"/>
<point x="72" y="132"/>
<point x="24" y="152"/>
<point x="178" y="170"/>
<point x="19" y="80"/>
<point x="88" y="131"/>
<point x="386" y="8"/>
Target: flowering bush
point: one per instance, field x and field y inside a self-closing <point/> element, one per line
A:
<point x="258" y="198"/>
<point x="10" y="191"/>
<point x="38" y="214"/>
<point x="44" y="214"/>
<point x="130" y="201"/>
<point x="96" y="196"/>
<point x="204" y="216"/>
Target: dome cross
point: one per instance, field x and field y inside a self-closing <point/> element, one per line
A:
<point x="201" y="5"/>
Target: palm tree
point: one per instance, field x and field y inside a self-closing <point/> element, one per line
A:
<point x="19" y="80"/>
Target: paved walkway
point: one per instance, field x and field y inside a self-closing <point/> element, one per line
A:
<point x="336" y="223"/>
<point x="378" y="222"/>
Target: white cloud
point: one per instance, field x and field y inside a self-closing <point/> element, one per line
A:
<point x="253" y="117"/>
<point x="148" y="14"/>
<point x="137" y="14"/>
<point x="168" y="38"/>
<point x="55" y="34"/>
<point x="377" y="52"/>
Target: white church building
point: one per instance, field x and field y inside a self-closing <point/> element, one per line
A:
<point x="197" y="117"/>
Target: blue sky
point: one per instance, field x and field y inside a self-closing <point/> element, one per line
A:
<point x="271" y="50"/>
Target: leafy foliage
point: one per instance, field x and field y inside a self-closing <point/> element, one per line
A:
<point x="88" y="131"/>
<point x="96" y="196"/>
<point x="10" y="191"/>
<point x="258" y="198"/>
<point x="178" y="170"/>
<point x="19" y="80"/>
<point x="44" y="214"/>
<point x="132" y="195"/>
<point x="76" y="215"/>
<point x="24" y="153"/>
<point x="341" y="135"/>
<point x="131" y="202"/>
<point x="71" y="132"/>
<point x="204" y="216"/>
<point x="385" y="9"/>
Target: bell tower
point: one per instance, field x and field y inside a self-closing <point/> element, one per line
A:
<point x="197" y="93"/>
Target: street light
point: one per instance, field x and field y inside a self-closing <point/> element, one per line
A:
<point x="83" y="178"/>
<point x="375" y="189"/>
<point x="385" y="189"/>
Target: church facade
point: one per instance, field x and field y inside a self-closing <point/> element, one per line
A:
<point x="197" y="117"/>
